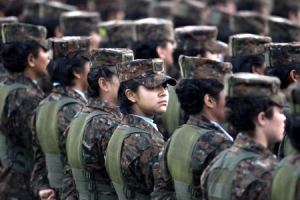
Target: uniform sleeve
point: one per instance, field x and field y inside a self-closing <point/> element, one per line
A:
<point x="39" y="179"/>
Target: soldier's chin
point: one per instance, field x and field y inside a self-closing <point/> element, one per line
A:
<point x="162" y="109"/>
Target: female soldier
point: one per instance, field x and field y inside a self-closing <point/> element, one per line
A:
<point x="132" y="153"/>
<point x="68" y="71"/>
<point x="91" y="130"/>
<point x="24" y="55"/>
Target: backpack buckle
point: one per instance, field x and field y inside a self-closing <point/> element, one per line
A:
<point x="128" y="193"/>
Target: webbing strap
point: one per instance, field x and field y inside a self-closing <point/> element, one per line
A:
<point x="46" y="123"/>
<point x="95" y="196"/>
<point x="171" y="117"/>
<point x="127" y="194"/>
<point x="74" y="139"/>
<point x="285" y="180"/>
<point x="54" y="167"/>
<point x="220" y="179"/>
<point x="179" y="156"/>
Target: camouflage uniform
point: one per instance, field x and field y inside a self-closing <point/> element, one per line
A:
<point x="194" y="38"/>
<point x="16" y="120"/>
<point x="61" y="48"/>
<point x="116" y="33"/>
<point x="3" y="20"/>
<point x="286" y="179"/>
<point x="138" y="151"/>
<point x="97" y="132"/>
<point x="79" y="20"/>
<point x="244" y="171"/>
<point x="250" y="22"/>
<point x="208" y="145"/>
<point x="282" y="55"/>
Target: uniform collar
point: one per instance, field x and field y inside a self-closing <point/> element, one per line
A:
<point x="103" y="105"/>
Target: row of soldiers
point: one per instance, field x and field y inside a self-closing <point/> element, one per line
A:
<point x="107" y="146"/>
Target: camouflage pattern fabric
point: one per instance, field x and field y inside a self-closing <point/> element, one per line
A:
<point x="39" y="180"/>
<point x="108" y="58"/>
<point x="7" y="20"/>
<point x="96" y="136"/>
<point x="164" y="9"/>
<point x="43" y="9"/>
<point x="116" y="31"/>
<point x="147" y="72"/>
<point x="247" y="44"/>
<point x="293" y="95"/>
<point x="205" y="150"/>
<point x="220" y="18"/>
<point x="191" y="10"/>
<point x="19" y="32"/>
<point x="79" y="20"/>
<point x="242" y="185"/>
<point x="282" y="54"/>
<point x="139" y="155"/>
<point x="196" y="38"/>
<point x="154" y="29"/>
<point x="254" y="85"/>
<point x="16" y="123"/>
<point x="201" y="68"/>
<point x="69" y="47"/>
<point x="250" y="22"/>
<point x="283" y="30"/>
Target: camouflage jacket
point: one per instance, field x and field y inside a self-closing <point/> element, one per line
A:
<point x="205" y="150"/>
<point x="96" y="136"/>
<point x="16" y="122"/>
<point x="39" y="180"/>
<point x="139" y="155"/>
<point x="242" y="187"/>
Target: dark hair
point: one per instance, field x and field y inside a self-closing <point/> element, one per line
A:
<point x="245" y="63"/>
<point x="191" y="92"/>
<point x="50" y="24"/>
<point x="14" y="55"/>
<point x="283" y="73"/>
<point x="83" y="32"/>
<point x="243" y="112"/>
<point x="249" y="5"/>
<point x="125" y="103"/>
<point x="292" y="130"/>
<point x="61" y="70"/>
<point x="121" y="44"/>
<point x="14" y="8"/>
<point x="93" y="77"/>
<point x="214" y="2"/>
<point x="285" y="10"/>
<point x="147" y="49"/>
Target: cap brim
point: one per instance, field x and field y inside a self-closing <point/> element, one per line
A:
<point x="44" y="44"/>
<point x="155" y="80"/>
<point x="279" y="99"/>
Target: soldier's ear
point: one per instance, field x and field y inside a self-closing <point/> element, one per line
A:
<point x="294" y="76"/>
<point x="131" y="96"/>
<point x="160" y="52"/>
<point x="103" y="84"/>
<point x="209" y="101"/>
<point x="30" y="60"/>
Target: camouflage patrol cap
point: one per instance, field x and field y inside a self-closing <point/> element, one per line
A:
<point x="283" y="30"/>
<point x="222" y="48"/>
<point x="69" y="47"/>
<point x="11" y="19"/>
<point x="196" y="38"/>
<point x="53" y="9"/>
<point x="282" y="54"/>
<point x="109" y="58"/>
<point x="190" y="9"/>
<point x="153" y="29"/>
<point x="220" y="18"/>
<point x="163" y="9"/>
<point x="147" y="72"/>
<point x="19" y="32"/>
<point x="247" y="44"/>
<point x="250" y="22"/>
<point x="253" y="85"/>
<point x="32" y="8"/>
<point x="293" y="96"/>
<point x="202" y="68"/>
<point x="116" y="31"/>
<point x="79" y="20"/>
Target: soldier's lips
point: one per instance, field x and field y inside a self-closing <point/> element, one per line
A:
<point x="163" y="102"/>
